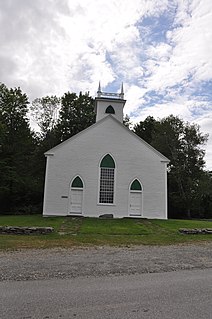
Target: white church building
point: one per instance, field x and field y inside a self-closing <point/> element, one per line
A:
<point x="106" y="169"/>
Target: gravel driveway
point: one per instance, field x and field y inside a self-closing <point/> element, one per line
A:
<point x="102" y="261"/>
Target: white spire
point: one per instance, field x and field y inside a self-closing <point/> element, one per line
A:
<point x="122" y="91"/>
<point x="99" y="90"/>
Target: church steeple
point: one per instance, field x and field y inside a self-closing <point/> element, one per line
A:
<point x="99" y="90"/>
<point x="122" y="91"/>
<point x="109" y="103"/>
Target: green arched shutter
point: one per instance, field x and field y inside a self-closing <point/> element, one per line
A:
<point x="107" y="161"/>
<point x="77" y="182"/>
<point x="136" y="186"/>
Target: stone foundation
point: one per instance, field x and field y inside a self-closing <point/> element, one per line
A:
<point x="15" y="230"/>
<point x="195" y="231"/>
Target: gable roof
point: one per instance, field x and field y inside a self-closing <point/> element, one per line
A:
<point x="49" y="152"/>
<point x="109" y="116"/>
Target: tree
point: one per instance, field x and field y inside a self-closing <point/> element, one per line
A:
<point x="203" y="200"/>
<point x="182" y="143"/>
<point x="76" y="114"/>
<point x="146" y="129"/>
<point x="45" y="112"/>
<point x="126" y="121"/>
<point x="16" y="148"/>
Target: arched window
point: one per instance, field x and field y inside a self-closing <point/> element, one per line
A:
<point x="110" y="110"/>
<point x="108" y="162"/>
<point x="107" y="174"/>
<point x="77" y="183"/>
<point x="135" y="186"/>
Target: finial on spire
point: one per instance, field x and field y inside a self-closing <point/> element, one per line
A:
<point x="99" y="90"/>
<point x="122" y="91"/>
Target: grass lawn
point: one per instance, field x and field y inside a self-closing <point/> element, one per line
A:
<point x="70" y="232"/>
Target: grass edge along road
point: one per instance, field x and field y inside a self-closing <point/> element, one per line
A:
<point x="84" y="232"/>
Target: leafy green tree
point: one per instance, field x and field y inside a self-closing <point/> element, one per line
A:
<point x="126" y="121"/>
<point x="45" y="112"/>
<point x="146" y="129"/>
<point x="17" y="144"/>
<point x="182" y="143"/>
<point x="76" y="114"/>
<point x="203" y="200"/>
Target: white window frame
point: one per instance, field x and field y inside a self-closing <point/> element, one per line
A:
<point x="114" y="185"/>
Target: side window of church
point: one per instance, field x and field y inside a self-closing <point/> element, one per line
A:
<point x="107" y="174"/>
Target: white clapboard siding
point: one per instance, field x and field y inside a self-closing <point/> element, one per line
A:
<point x="81" y="155"/>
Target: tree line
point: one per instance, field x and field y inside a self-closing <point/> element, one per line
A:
<point x="22" y="161"/>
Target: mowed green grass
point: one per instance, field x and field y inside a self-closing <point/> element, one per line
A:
<point x="77" y="232"/>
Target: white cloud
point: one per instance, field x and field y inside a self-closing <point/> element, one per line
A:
<point x="134" y="96"/>
<point x="191" y="48"/>
<point x="159" y="111"/>
<point x="50" y="47"/>
<point x="105" y="30"/>
<point x="161" y="51"/>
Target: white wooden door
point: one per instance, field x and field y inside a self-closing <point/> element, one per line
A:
<point x="135" y="203"/>
<point x="76" y="201"/>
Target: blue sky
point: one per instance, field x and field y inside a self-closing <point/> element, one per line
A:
<point x="161" y="50"/>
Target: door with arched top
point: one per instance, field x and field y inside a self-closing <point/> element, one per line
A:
<point x="76" y="196"/>
<point x="135" y="198"/>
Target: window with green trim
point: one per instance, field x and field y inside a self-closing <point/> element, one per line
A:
<point x="107" y="174"/>
<point x="136" y="186"/>
<point x="77" y="182"/>
<point x="107" y="161"/>
<point x="110" y="110"/>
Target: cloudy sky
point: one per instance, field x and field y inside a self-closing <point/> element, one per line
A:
<point x="160" y="49"/>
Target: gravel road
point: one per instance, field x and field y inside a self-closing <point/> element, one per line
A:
<point x="102" y="261"/>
